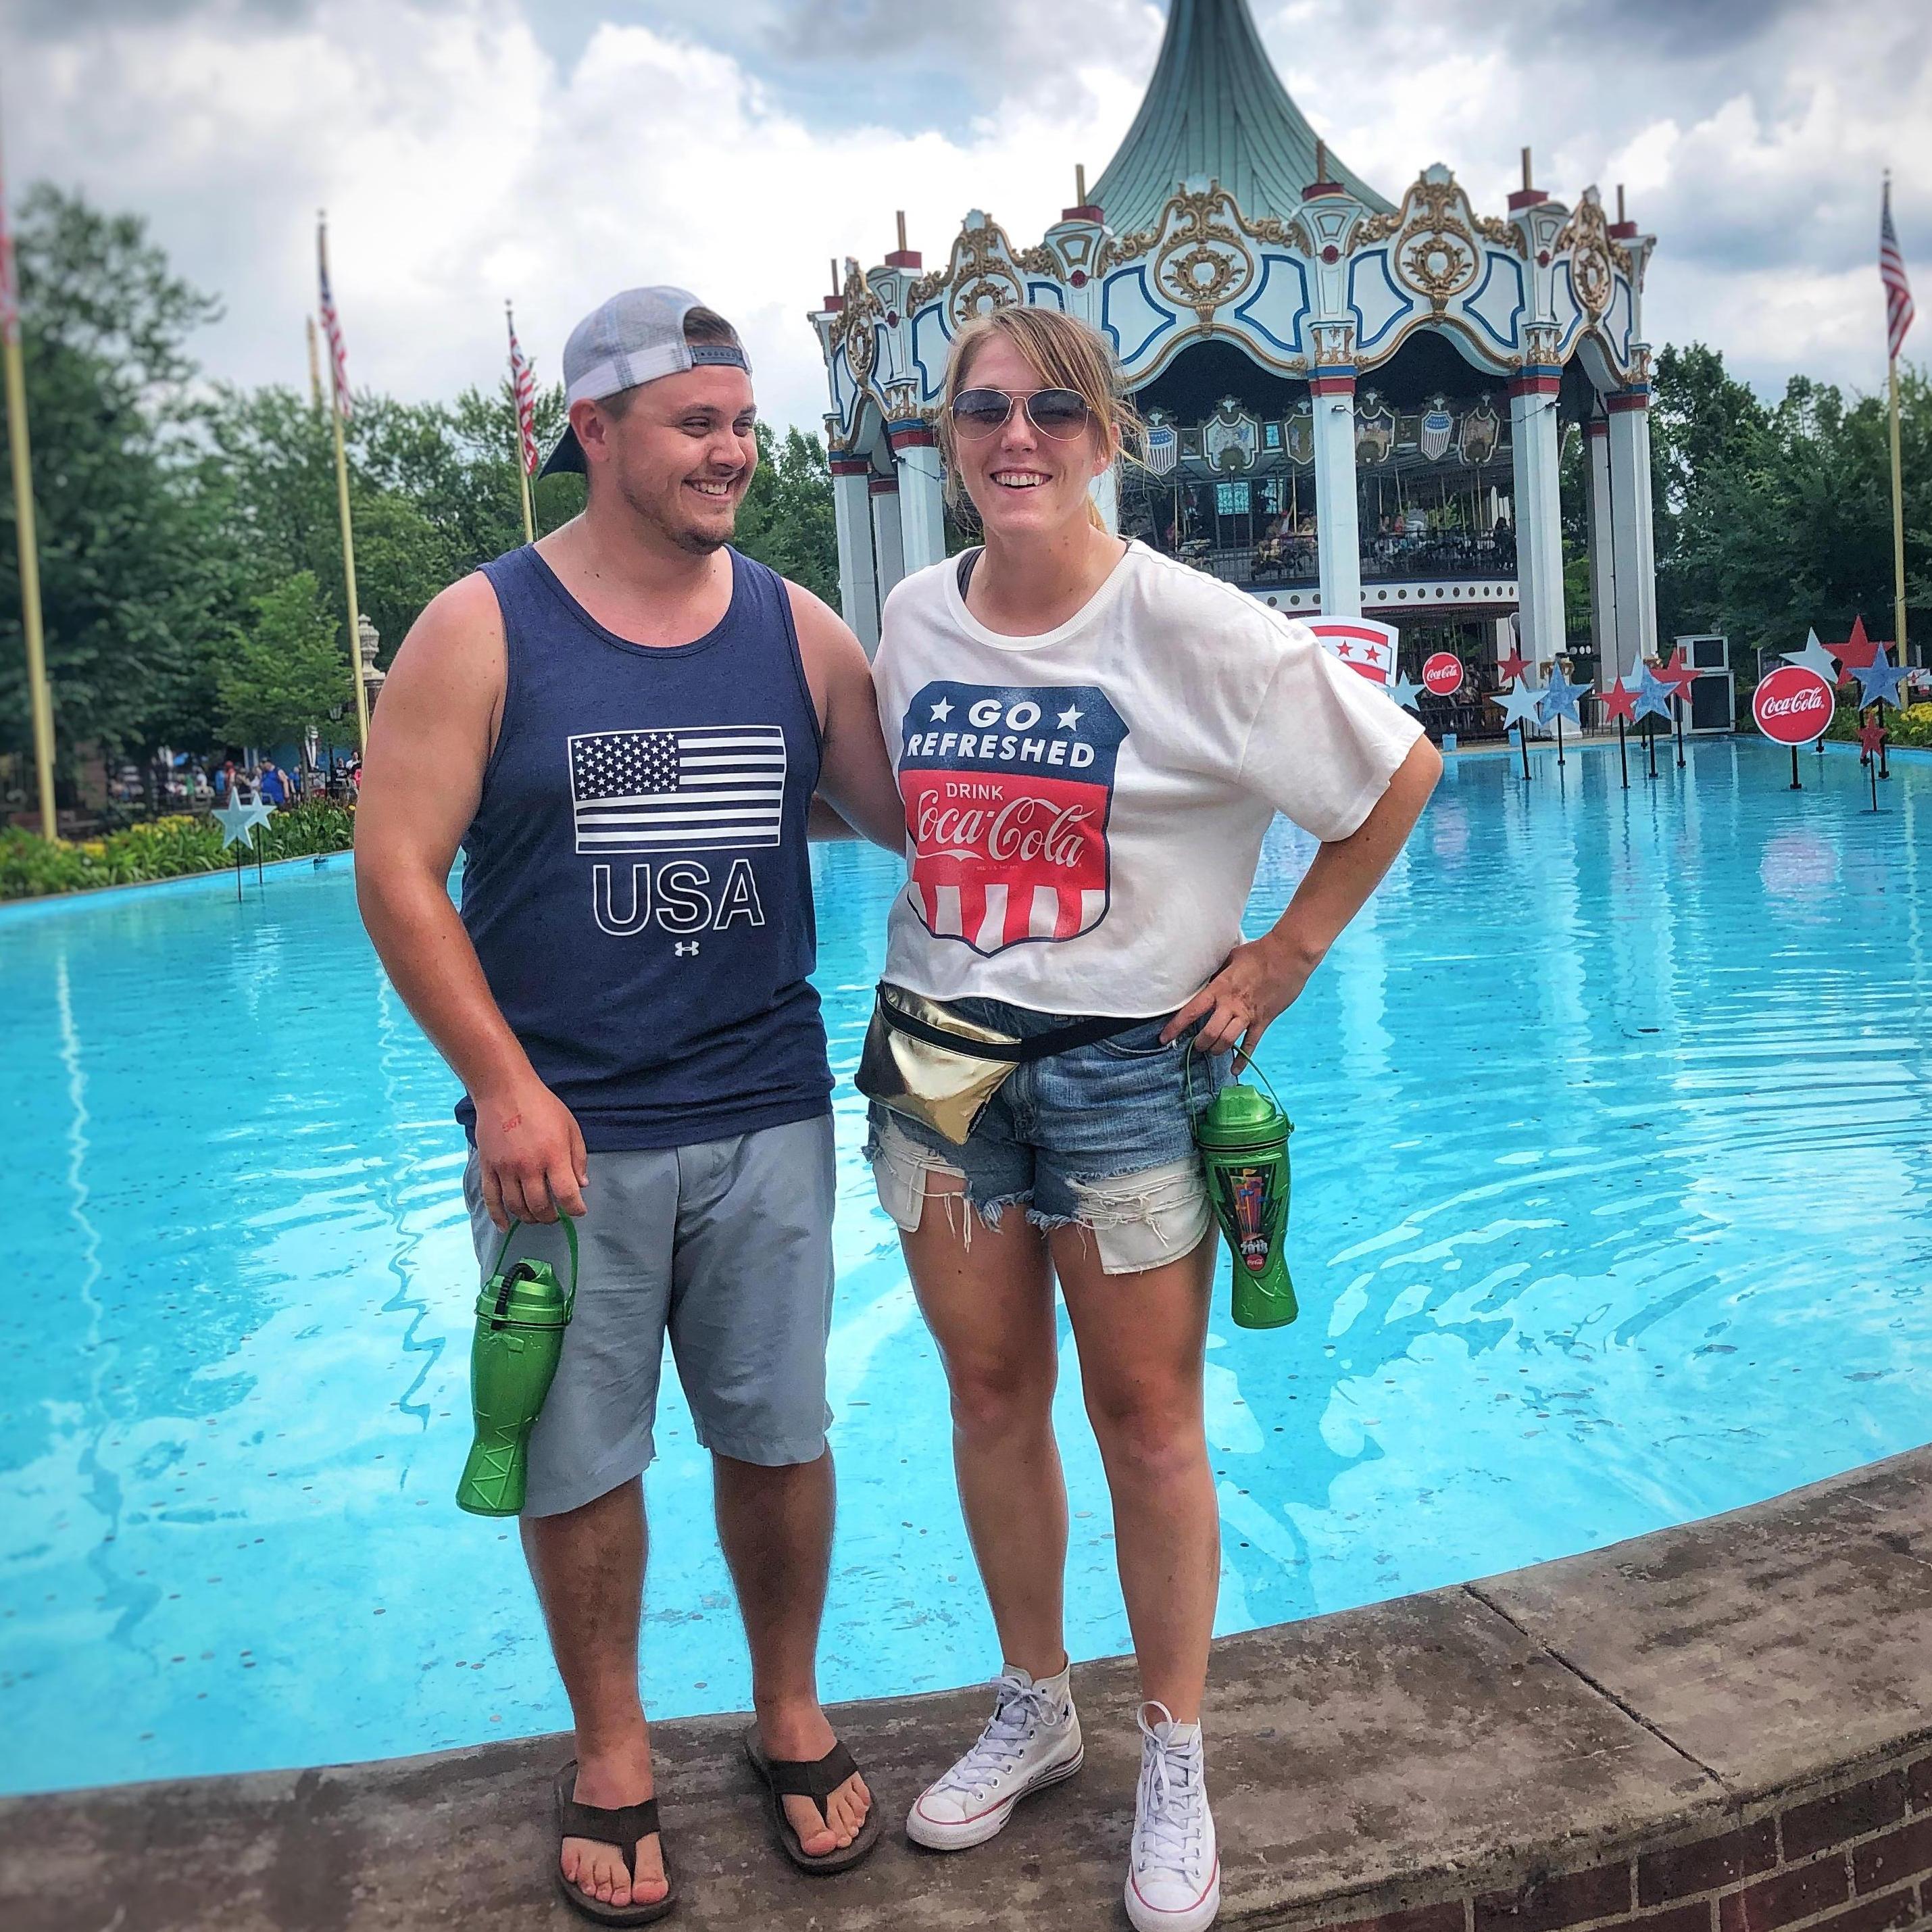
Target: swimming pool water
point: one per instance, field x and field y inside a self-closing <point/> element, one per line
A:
<point x="1611" y="1173"/>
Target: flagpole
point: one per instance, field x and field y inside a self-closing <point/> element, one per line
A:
<point x="524" y="494"/>
<point x="1898" y="517"/>
<point x="342" y="506"/>
<point x="40" y="700"/>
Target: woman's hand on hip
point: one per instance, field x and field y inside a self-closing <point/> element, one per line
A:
<point x="1262" y="978"/>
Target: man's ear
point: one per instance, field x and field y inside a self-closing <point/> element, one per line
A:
<point x="592" y="428"/>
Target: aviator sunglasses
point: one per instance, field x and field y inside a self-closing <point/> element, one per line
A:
<point x="1060" y="414"/>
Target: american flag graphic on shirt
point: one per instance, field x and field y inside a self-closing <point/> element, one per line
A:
<point x="705" y="789"/>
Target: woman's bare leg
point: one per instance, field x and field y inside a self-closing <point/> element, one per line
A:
<point x="989" y="1304"/>
<point x="1141" y="1338"/>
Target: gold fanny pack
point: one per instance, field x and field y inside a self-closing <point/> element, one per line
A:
<point x="923" y="1060"/>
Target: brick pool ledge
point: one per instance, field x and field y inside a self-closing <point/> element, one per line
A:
<point x="1725" y="1727"/>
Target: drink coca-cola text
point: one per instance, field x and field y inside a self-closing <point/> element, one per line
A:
<point x="1022" y="827"/>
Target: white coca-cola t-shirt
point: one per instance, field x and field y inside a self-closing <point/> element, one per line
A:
<point x="1085" y="809"/>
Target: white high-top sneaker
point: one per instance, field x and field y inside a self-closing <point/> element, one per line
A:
<point x="1032" y="1740"/>
<point x="1173" y="1871"/>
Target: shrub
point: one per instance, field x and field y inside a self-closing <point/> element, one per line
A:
<point x="163" y="848"/>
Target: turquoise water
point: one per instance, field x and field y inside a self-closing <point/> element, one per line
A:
<point x="1610" y="1190"/>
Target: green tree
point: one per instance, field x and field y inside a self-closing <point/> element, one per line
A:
<point x="133" y="577"/>
<point x="287" y="671"/>
<point x="786" y="519"/>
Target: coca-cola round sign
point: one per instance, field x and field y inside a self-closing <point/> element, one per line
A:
<point x="1793" y="705"/>
<point x="1442" y="674"/>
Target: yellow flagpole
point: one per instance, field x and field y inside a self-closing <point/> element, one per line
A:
<point x="529" y="509"/>
<point x="348" y="533"/>
<point x="1897" y="521"/>
<point x="39" y="699"/>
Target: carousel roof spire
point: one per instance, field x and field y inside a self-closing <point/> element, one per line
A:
<point x="1217" y="107"/>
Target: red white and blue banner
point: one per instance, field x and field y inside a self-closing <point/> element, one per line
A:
<point x="1362" y="644"/>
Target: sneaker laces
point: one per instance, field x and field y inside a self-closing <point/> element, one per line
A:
<point x="1171" y="1807"/>
<point x="1019" y="1708"/>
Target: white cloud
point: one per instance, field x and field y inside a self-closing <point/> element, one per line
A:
<point x="461" y="162"/>
<point x="459" y="165"/>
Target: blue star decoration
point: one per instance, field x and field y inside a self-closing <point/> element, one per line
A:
<point x="1878" y="681"/>
<point x="1653" y="696"/>
<point x="1406" y="691"/>
<point x="239" y="818"/>
<point x="1560" y="696"/>
<point x="1519" y="705"/>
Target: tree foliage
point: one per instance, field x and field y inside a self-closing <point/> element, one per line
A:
<point x="1772" y="518"/>
<point x="287" y="671"/>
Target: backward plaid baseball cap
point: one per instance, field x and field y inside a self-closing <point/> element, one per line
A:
<point x="636" y="337"/>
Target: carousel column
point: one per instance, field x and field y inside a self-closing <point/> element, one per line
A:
<point x="888" y="546"/>
<point x="922" y="495"/>
<point x="1539" y="514"/>
<point x="1337" y="534"/>
<point x="852" y="511"/>
<point x="1610" y="665"/>
<point x="1632" y="539"/>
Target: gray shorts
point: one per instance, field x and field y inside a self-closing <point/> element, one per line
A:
<point x="726" y="1246"/>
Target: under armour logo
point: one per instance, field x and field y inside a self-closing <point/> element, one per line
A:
<point x="683" y="949"/>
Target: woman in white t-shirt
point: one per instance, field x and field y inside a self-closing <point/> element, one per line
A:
<point x="1090" y="741"/>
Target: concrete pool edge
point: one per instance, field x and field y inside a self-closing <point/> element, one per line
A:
<point x="1722" y="1727"/>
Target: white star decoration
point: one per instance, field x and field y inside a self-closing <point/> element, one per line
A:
<point x="1406" y="691"/>
<point x="1519" y="704"/>
<point x="1069" y="718"/>
<point x="1815" y="657"/>
<point x="942" y="710"/>
<point x="239" y="818"/>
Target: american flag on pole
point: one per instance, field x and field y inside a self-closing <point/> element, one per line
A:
<point x="331" y="324"/>
<point x="10" y="301"/>
<point x="1898" y="310"/>
<point x="708" y="788"/>
<point x="523" y="385"/>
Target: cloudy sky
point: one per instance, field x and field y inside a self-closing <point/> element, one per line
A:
<point x="554" y="150"/>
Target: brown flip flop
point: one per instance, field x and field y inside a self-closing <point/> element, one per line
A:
<point x="621" y="1827"/>
<point x="816" y="1779"/>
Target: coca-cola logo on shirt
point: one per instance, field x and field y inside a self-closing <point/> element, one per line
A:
<point x="1793" y="705"/>
<point x="1007" y="791"/>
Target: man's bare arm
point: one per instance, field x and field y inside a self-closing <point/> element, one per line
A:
<point x="422" y="776"/>
<point x="855" y="773"/>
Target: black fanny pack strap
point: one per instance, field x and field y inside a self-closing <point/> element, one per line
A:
<point x="1041" y="1046"/>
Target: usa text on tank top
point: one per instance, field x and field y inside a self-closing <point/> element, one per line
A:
<point x="637" y="882"/>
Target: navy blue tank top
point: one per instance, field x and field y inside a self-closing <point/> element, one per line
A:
<point x="637" y="882"/>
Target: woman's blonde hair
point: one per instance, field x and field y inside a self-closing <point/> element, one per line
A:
<point x="1065" y="353"/>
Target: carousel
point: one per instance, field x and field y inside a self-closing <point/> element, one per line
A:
<point x="1357" y="406"/>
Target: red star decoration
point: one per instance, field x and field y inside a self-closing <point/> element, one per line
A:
<point x="1678" y="673"/>
<point x="1871" y="736"/>
<point x="1619" y="701"/>
<point x="1512" y="666"/>
<point x="1855" y="653"/>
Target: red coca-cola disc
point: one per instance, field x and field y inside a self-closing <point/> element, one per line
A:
<point x="1442" y="674"/>
<point x="1792" y="706"/>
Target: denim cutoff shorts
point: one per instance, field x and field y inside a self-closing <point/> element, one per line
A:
<point x="1100" y="1138"/>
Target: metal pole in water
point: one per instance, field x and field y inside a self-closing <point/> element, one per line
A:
<point x="1795" y="786"/>
<point x="1623" y="751"/>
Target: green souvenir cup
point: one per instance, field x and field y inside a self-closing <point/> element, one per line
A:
<point x="1242" y="1137"/>
<point x="521" y="1314"/>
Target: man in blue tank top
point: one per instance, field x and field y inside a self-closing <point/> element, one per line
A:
<point x="624" y="727"/>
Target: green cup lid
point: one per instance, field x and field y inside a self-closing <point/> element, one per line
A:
<point x="535" y="1299"/>
<point x="1243" y="1114"/>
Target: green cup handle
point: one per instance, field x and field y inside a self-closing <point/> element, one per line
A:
<point x="569" y="1235"/>
<point x="1187" y="1071"/>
